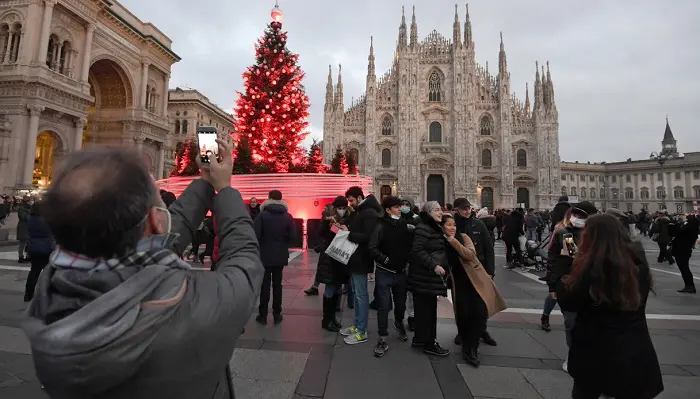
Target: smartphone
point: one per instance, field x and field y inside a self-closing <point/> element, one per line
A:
<point x="335" y="228"/>
<point x="208" y="148"/>
<point x="569" y="242"/>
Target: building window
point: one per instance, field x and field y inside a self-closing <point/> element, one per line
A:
<point x="629" y="207"/>
<point x="355" y="155"/>
<point x="486" y="158"/>
<point x="591" y="178"/>
<point x="592" y="192"/>
<point x="601" y="179"/>
<point x="678" y="175"/>
<point x="660" y="176"/>
<point x="696" y="174"/>
<point x="10" y="38"/>
<point x="387" y="126"/>
<point x="184" y="127"/>
<point x="602" y="193"/>
<point x="614" y="179"/>
<point x="435" y="87"/>
<point x="644" y="177"/>
<point x="386" y="157"/>
<point x="645" y="207"/>
<point x="486" y="125"/>
<point x="177" y="127"/>
<point x="678" y="192"/>
<point x="521" y="159"/>
<point x="629" y="193"/>
<point x="583" y="192"/>
<point x="564" y="191"/>
<point x="696" y="192"/>
<point x="628" y="178"/>
<point x="435" y="132"/>
<point x="644" y="193"/>
<point x="660" y="192"/>
<point x="573" y="190"/>
<point x="615" y="193"/>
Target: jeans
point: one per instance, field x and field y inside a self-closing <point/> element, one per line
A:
<point x="569" y="323"/>
<point x="359" y="288"/>
<point x="389" y="284"/>
<point x="426" y="319"/>
<point x="549" y="304"/>
<point x="332" y="290"/>
<point x="38" y="263"/>
<point x="531" y="234"/>
<point x="273" y="276"/>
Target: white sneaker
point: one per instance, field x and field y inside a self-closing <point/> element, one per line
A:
<point x="565" y="366"/>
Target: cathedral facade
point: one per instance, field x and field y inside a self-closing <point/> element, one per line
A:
<point x="439" y="126"/>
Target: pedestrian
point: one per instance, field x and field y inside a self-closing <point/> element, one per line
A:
<point x="39" y="246"/>
<point x="682" y="249"/>
<point x="23" y="210"/>
<point x="118" y="313"/>
<point x="661" y="231"/>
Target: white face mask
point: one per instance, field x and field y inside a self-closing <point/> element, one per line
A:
<point x="168" y="219"/>
<point x="395" y="217"/>
<point x="341" y="212"/>
<point x="578" y="223"/>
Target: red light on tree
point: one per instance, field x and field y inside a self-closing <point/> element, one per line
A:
<point x="339" y="164"/>
<point x="274" y="107"/>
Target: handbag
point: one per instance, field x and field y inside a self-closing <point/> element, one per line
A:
<point x="341" y="248"/>
<point x="522" y="240"/>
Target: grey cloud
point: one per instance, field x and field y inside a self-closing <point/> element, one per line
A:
<point x="618" y="66"/>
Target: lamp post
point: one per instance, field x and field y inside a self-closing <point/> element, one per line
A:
<point x="661" y="160"/>
<point x="605" y="195"/>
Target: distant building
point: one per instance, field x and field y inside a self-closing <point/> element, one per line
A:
<point x="673" y="184"/>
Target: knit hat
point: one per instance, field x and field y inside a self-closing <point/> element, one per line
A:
<point x="340" y="202"/>
<point x="482" y="212"/>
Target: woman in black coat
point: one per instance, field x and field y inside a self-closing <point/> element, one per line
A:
<point x="611" y="351"/>
<point x="427" y="277"/>
<point x="39" y="247"/>
<point x="329" y="271"/>
<point x="682" y="248"/>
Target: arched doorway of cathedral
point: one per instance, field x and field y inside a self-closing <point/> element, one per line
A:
<point x="523" y="197"/>
<point x="49" y="146"/>
<point x="435" y="190"/>
<point x="384" y="191"/>
<point x="111" y="87"/>
<point x="487" y="197"/>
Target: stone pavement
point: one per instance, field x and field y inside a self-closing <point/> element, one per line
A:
<point x="297" y="359"/>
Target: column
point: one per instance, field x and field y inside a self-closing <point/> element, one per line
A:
<point x="164" y="96"/>
<point x="144" y="82"/>
<point x="139" y="142"/>
<point x="78" y="135"/>
<point x="87" y="50"/>
<point x="160" y="161"/>
<point x="10" y="50"/>
<point x="45" y="26"/>
<point x="30" y="150"/>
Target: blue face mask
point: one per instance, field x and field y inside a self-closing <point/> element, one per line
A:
<point x="405" y="209"/>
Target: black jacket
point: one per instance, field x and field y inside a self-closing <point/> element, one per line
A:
<point x="514" y="227"/>
<point x="558" y="212"/>
<point x="483" y="242"/>
<point x="275" y="230"/>
<point x="683" y="243"/>
<point x="329" y="270"/>
<point x="390" y="244"/>
<point x="428" y="251"/>
<point x="630" y="367"/>
<point x="559" y="265"/>
<point x="361" y="227"/>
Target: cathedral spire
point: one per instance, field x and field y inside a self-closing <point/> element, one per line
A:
<point x="527" y="100"/>
<point x="550" y="88"/>
<point x="457" y="30"/>
<point x="403" y="39"/>
<point x="502" y="63"/>
<point x="339" y="87"/>
<point x="370" y="65"/>
<point x="414" y="30"/>
<point x="468" y="30"/>
<point x="329" y="87"/>
<point x="539" y="98"/>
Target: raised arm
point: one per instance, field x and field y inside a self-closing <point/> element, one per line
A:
<point x="188" y="212"/>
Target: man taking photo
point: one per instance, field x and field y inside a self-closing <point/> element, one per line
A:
<point x="117" y="313"/>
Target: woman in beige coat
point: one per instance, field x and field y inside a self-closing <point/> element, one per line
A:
<point x="474" y="294"/>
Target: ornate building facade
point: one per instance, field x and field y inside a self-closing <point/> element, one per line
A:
<point x="438" y="125"/>
<point x="77" y="73"/>
<point x="667" y="180"/>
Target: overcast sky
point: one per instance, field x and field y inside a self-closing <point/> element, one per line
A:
<point x="619" y="67"/>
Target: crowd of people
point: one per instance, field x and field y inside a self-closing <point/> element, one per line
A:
<point x="118" y="294"/>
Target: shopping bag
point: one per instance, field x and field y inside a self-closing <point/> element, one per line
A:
<point x="523" y="243"/>
<point x="341" y="248"/>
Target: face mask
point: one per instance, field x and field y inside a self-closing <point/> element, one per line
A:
<point x="405" y="209"/>
<point x="578" y="223"/>
<point x="168" y="220"/>
<point x="341" y="212"/>
<point x="396" y="217"/>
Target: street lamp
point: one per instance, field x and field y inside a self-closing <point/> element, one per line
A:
<point x="661" y="159"/>
<point x="605" y="194"/>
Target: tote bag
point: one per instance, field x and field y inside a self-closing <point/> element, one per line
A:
<point x="341" y="248"/>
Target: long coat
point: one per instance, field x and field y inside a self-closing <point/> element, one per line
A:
<point x="22" y="227"/>
<point x="481" y="280"/>
<point x="428" y="251"/>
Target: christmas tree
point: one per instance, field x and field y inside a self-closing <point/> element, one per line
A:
<point x="243" y="161"/>
<point x="186" y="154"/>
<point x="314" y="162"/>
<point x="273" y="110"/>
<point x="339" y="164"/>
<point x="352" y="163"/>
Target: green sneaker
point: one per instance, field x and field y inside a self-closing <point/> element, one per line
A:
<point x="348" y="331"/>
<point x="356" y="338"/>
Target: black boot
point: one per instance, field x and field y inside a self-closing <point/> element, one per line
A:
<point x="544" y="323"/>
<point x="488" y="339"/>
<point x="336" y="308"/>
<point x="471" y="356"/>
<point x="313" y="291"/>
<point x="458" y="340"/>
<point x="411" y="323"/>
<point x="328" y="314"/>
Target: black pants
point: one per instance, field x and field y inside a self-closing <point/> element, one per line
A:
<point x="584" y="392"/>
<point x="425" y="319"/>
<point x="664" y="253"/>
<point x="470" y="311"/>
<point x="389" y="284"/>
<point x="273" y="276"/>
<point x="513" y="245"/>
<point x="684" y="268"/>
<point x="38" y="263"/>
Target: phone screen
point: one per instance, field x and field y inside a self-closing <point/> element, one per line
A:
<point x="335" y="228"/>
<point x="208" y="148"/>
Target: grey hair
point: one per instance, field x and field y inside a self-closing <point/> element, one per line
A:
<point x="430" y="205"/>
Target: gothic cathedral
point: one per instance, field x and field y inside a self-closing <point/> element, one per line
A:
<point x="439" y="126"/>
